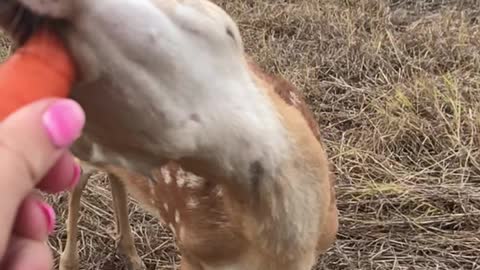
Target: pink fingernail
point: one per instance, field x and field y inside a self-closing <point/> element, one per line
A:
<point x="50" y="215"/>
<point x="76" y="175"/>
<point x="64" y="121"/>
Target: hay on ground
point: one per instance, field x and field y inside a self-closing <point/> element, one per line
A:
<point x="395" y="86"/>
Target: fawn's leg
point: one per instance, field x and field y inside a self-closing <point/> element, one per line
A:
<point x="126" y="245"/>
<point x="186" y="264"/>
<point x="69" y="257"/>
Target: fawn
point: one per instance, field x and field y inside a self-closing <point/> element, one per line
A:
<point x="179" y="116"/>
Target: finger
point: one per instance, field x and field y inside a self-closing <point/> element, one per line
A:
<point x="35" y="219"/>
<point x="31" y="141"/>
<point x="25" y="254"/>
<point x="62" y="176"/>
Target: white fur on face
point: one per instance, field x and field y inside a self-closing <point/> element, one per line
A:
<point x="55" y="9"/>
<point x="174" y="82"/>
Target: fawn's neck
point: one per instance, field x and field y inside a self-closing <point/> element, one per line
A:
<point x="274" y="193"/>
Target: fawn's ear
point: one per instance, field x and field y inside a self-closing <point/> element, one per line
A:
<point x="58" y="9"/>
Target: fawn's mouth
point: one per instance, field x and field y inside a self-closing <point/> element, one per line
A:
<point x="20" y="22"/>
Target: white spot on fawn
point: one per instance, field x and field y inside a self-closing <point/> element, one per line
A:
<point x="191" y="180"/>
<point x="166" y="175"/>
<point x="165" y="206"/>
<point x="194" y="181"/>
<point x="180" y="180"/>
<point x="219" y="191"/>
<point x="177" y="216"/>
<point x="192" y="203"/>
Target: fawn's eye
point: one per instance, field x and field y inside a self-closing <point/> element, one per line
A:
<point x="230" y="33"/>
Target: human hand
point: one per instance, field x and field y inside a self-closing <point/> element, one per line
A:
<point x="34" y="154"/>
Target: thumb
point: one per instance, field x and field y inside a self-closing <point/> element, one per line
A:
<point x="31" y="141"/>
<point x="36" y="135"/>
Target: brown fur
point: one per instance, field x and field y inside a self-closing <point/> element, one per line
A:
<point x="214" y="231"/>
<point x="285" y="90"/>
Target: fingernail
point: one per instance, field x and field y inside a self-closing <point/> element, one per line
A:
<point x="64" y="121"/>
<point x="76" y="175"/>
<point x="50" y="215"/>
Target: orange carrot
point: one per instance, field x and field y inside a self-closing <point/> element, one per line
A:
<point x="39" y="69"/>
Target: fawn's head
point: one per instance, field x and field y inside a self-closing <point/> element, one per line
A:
<point x="183" y="34"/>
<point x="173" y="73"/>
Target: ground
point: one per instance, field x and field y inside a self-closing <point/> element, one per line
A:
<point x="395" y="87"/>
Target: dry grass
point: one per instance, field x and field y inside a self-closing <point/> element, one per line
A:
<point x="4" y="47"/>
<point x="395" y="86"/>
